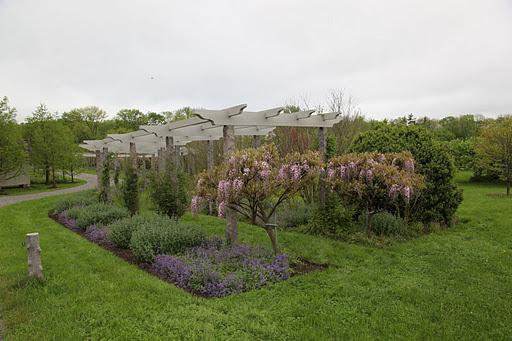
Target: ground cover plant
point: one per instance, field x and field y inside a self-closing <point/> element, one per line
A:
<point x="215" y="269"/>
<point x="179" y="252"/>
<point x="454" y="284"/>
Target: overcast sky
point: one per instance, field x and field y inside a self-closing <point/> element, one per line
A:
<point x="394" y="57"/>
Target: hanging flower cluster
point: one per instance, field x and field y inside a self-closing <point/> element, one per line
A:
<point x="370" y="176"/>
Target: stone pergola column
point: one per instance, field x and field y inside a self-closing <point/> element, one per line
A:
<point x="322" y="150"/>
<point x="256" y="141"/>
<point x="228" y="133"/>
<point x="98" y="168"/>
<point x="133" y="155"/>
<point x="210" y="162"/>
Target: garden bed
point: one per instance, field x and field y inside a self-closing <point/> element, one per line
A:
<point x="298" y="266"/>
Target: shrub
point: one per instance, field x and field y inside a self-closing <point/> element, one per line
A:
<point x="95" y="234"/>
<point x="295" y="213"/>
<point x="169" y="193"/>
<point x="82" y="199"/>
<point x="333" y="220"/>
<point x="130" y="189"/>
<point x="385" y="223"/>
<point x="440" y="198"/>
<point x="120" y="232"/>
<point x="162" y="235"/>
<point x="99" y="214"/>
<point x="216" y="270"/>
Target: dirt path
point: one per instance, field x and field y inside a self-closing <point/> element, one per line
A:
<point x="91" y="183"/>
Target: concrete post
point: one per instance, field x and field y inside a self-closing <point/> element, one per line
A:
<point x="35" y="268"/>
<point x="322" y="150"/>
<point x="210" y="161"/>
<point x="98" y="168"/>
<point x="256" y="141"/>
<point x="133" y="155"/>
<point x="231" y="216"/>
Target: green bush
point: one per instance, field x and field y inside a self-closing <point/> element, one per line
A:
<point x="82" y="199"/>
<point x="99" y="214"/>
<point x="295" y="213"/>
<point x="168" y="193"/>
<point x="385" y="223"/>
<point x="440" y="198"/>
<point x="334" y="220"/>
<point x="130" y="189"/>
<point x="162" y="235"/>
<point x="120" y="232"/>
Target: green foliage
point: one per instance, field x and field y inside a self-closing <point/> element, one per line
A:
<point x="51" y="142"/>
<point x="387" y="224"/>
<point x="494" y="149"/>
<point x="162" y="235"/>
<point x="85" y="123"/>
<point x="334" y="220"/>
<point x="440" y="198"/>
<point x="82" y="199"/>
<point x="294" y="213"/>
<point x="131" y="118"/>
<point x="120" y="232"/>
<point x="12" y="148"/>
<point x="463" y="153"/>
<point x="130" y="189"/>
<point x="99" y="214"/>
<point x="105" y="194"/>
<point x="169" y="193"/>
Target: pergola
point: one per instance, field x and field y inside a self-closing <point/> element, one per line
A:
<point x="210" y="125"/>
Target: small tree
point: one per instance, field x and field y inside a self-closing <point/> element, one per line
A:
<point x="12" y="148"/>
<point x="105" y="194"/>
<point x="373" y="181"/>
<point x="254" y="182"/>
<point x="494" y="148"/>
<point x="130" y="189"/>
<point x="169" y="192"/>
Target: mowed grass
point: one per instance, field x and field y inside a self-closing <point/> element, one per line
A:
<point x="40" y="187"/>
<point x="454" y="284"/>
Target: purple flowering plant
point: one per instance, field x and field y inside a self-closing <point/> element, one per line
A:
<point x="215" y="269"/>
<point x="376" y="181"/>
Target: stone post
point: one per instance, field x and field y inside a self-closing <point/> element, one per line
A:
<point x="133" y="155"/>
<point x="256" y="141"/>
<point x="98" y="169"/>
<point x="322" y="150"/>
<point x="210" y="161"/>
<point x="231" y="216"/>
<point x="35" y="268"/>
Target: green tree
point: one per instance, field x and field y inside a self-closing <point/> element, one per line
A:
<point x="86" y="122"/>
<point x="12" y="148"/>
<point x="51" y="141"/>
<point x="131" y="118"/>
<point x="155" y="118"/>
<point x="494" y="148"/>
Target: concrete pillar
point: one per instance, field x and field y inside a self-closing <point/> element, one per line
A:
<point x="133" y="155"/>
<point x="210" y="162"/>
<point x="256" y="141"/>
<point x="35" y="268"/>
<point x="231" y="216"/>
<point x="98" y="168"/>
<point x="322" y="149"/>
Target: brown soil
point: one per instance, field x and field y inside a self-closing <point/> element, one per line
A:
<point x="300" y="267"/>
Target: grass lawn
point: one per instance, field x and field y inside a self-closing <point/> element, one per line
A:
<point x="455" y="284"/>
<point x="40" y="187"/>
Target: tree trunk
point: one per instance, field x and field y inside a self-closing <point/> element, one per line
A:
<point x="273" y="238"/>
<point x="210" y="161"/>
<point x="54" y="184"/>
<point x="35" y="269"/>
<point x="47" y="175"/>
<point x="72" y="175"/>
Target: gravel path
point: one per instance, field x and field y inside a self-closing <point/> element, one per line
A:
<point x="91" y="183"/>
